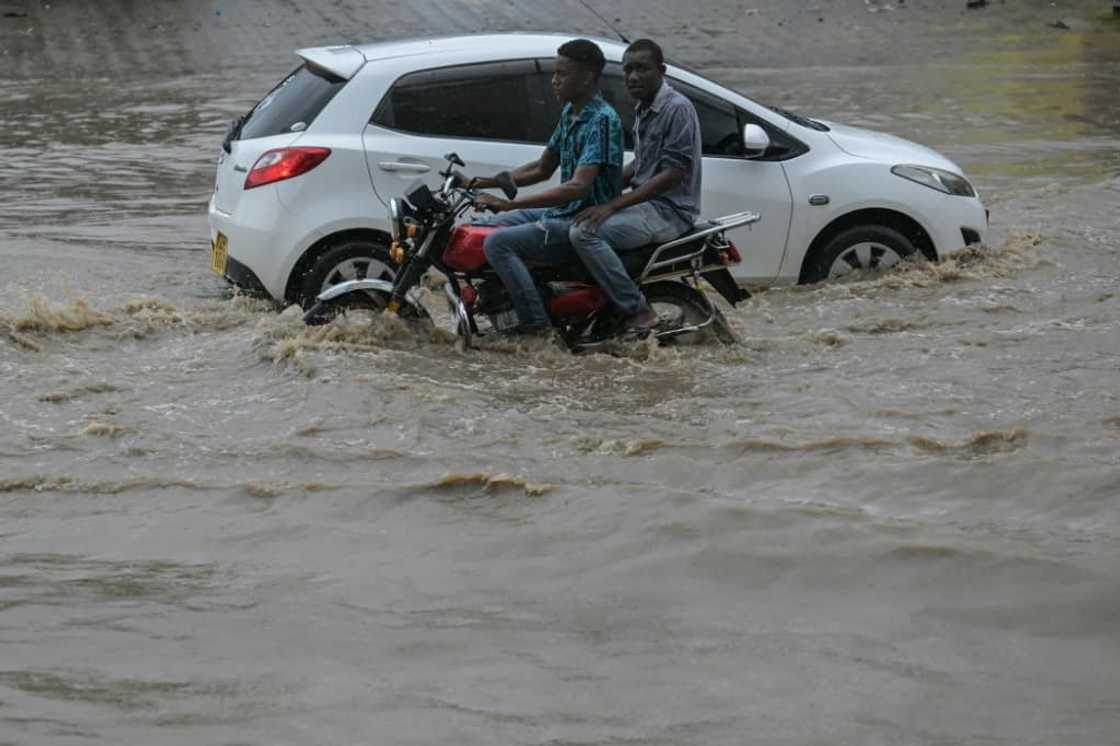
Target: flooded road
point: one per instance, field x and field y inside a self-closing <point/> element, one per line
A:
<point x="888" y="516"/>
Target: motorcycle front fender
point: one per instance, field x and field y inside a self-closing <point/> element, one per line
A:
<point x="350" y="286"/>
<point x="380" y="286"/>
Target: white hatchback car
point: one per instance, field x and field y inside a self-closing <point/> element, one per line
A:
<point x="304" y="177"/>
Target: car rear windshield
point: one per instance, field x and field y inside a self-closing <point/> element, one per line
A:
<point x="292" y="105"/>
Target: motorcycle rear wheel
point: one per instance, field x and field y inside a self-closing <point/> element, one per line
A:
<point x="679" y="306"/>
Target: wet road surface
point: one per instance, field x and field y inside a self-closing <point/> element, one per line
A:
<point x="888" y="516"/>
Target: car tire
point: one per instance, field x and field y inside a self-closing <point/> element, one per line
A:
<point x="346" y="260"/>
<point x="860" y="248"/>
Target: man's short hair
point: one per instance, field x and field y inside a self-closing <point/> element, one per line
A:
<point x="584" y="52"/>
<point x="648" y="45"/>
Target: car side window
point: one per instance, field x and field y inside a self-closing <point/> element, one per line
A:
<point x="489" y="101"/>
<point x="722" y="126"/>
<point x="719" y="127"/>
<point x="721" y="123"/>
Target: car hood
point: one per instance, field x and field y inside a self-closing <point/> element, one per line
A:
<point x="887" y="148"/>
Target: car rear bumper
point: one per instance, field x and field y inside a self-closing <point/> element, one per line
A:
<point x="260" y="248"/>
<point x="244" y="278"/>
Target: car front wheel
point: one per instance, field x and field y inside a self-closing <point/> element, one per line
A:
<point x="862" y="248"/>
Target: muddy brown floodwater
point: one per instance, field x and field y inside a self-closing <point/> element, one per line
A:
<point x="889" y="516"/>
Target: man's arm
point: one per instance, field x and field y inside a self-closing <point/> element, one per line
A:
<point x="662" y="181"/>
<point x="578" y="187"/>
<point x="531" y="173"/>
<point x="628" y="174"/>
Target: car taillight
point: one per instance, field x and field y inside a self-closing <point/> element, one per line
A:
<point x="731" y="254"/>
<point x="284" y="163"/>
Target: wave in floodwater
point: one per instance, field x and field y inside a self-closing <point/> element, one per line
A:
<point x="146" y="485"/>
<point x="481" y="482"/>
<point x="43" y="318"/>
<point x="285" y="340"/>
<point x="78" y="392"/>
<point x="1019" y="253"/>
<point x="978" y="446"/>
<point x="454" y="483"/>
<point x="77" y="485"/>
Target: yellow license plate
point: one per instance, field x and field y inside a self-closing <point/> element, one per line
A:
<point x="219" y="252"/>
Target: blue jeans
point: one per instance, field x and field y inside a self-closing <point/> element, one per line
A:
<point x="629" y="228"/>
<point x="526" y="239"/>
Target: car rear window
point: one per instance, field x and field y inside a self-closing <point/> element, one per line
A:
<point x="293" y="104"/>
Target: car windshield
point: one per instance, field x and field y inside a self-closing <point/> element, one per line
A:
<point x="803" y="121"/>
<point x="293" y="104"/>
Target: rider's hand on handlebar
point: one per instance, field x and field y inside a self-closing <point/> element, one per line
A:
<point x="459" y="179"/>
<point x="491" y="203"/>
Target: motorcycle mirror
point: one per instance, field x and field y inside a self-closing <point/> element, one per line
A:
<point x="454" y="159"/>
<point x="505" y="183"/>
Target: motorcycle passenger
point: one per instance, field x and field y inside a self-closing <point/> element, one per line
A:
<point x="587" y="145"/>
<point x="665" y="175"/>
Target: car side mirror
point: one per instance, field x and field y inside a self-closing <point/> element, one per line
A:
<point x="755" y="141"/>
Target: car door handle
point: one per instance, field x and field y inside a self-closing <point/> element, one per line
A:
<point x="414" y="168"/>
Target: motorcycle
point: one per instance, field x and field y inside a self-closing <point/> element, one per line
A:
<point x="427" y="232"/>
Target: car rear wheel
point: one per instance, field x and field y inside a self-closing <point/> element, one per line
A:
<point x="348" y="260"/>
<point x="862" y="248"/>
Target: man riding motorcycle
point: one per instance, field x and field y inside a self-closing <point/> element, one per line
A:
<point x="664" y="201"/>
<point x="587" y="145"/>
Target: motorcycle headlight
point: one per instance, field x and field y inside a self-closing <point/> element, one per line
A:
<point x="396" y="220"/>
<point x="943" y="181"/>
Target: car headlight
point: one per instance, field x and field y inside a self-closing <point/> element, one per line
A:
<point x="943" y="181"/>
<point x="396" y="220"/>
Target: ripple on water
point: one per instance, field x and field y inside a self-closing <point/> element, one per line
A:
<point x="980" y="445"/>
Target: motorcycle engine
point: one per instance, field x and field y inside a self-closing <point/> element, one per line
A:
<point x="494" y="303"/>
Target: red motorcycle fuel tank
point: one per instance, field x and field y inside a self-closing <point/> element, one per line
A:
<point x="464" y="249"/>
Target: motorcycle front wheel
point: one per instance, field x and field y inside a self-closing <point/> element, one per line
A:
<point x="685" y="316"/>
<point x="325" y="311"/>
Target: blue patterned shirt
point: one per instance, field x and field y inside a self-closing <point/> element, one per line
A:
<point x="594" y="138"/>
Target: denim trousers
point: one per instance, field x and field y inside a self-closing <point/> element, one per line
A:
<point x="527" y="239"/>
<point x="629" y="228"/>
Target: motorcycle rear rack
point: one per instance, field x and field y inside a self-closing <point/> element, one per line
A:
<point x="716" y="225"/>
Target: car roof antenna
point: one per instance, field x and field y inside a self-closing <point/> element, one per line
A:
<point x="610" y="25"/>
